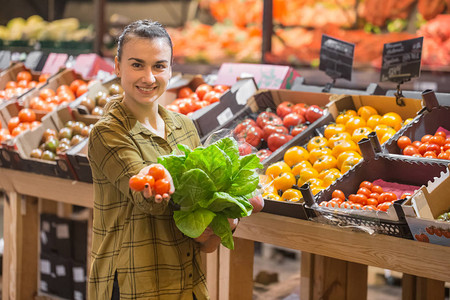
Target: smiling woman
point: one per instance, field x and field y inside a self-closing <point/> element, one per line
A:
<point x="137" y="251"/>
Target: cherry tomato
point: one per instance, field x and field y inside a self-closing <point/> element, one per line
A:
<point x="361" y="199"/>
<point x="423" y="148"/>
<point x="366" y="184"/>
<point x="403" y="141"/>
<point x="433" y="147"/>
<point x="438" y="140"/>
<point x="387" y="197"/>
<point x="374" y="195"/>
<point x="284" y="108"/>
<point x="441" y="133"/>
<point x="377" y="189"/>
<point x="416" y="144"/>
<point x="338" y="194"/>
<point x="157" y="172"/>
<point x="410" y="150"/>
<point x="27" y="115"/>
<point x="185" y="92"/>
<point x="202" y="89"/>
<point x="363" y="191"/>
<point x="369" y="207"/>
<point x="384" y="206"/>
<point x="267" y="117"/>
<point x="299" y="129"/>
<point x="426" y="138"/>
<point x="162" y="186"/>
<point x="271" y="128"/>
<point x="430" y="154"/>
<point x="137" y="183"/>
<point x="372" y="201"/>
<point x="293" y="119"/>
<point x="276" y="140"/>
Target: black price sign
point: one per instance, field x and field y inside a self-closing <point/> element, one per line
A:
<point x="401" y="60"/>
<point x="336" y="57"/>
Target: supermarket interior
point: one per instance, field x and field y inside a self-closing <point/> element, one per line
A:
<point x="333" y="112"/>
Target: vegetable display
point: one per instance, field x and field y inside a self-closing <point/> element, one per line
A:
<point x="212" y="184"/>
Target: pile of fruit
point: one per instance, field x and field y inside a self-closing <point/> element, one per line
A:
<point x="189" y="101"/>
<point x="368" y="197"/>
<point x="272" y="130"/>
<point x="431" y="146"/>
<point x="23" y="83"/>
<point x="94" y="106"/>
<point x="26" y="119"/>
<point x="54" y="143"/>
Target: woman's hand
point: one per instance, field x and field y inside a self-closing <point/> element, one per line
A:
<point x="150" y="192"/>
<point x="257" y="202"/>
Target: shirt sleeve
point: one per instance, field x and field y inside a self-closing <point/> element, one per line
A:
<point x="117" y="157"/>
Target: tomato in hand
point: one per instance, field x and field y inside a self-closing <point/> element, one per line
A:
<point x="162" y="186"/>
<point x="157" y="171"/>
<point x="137" y="183"/>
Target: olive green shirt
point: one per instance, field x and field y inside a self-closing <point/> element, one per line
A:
<point x="131" y="234"/>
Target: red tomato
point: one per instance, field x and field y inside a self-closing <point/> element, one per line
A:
<point x="374" y="195"/>
<point x="186" y="106"/>
<point x="137" y="183"/>
<point x="416" y="144"/>
<point x="337" y="200"/>
<point x="253" y="135"/>
<point x="387" y="197"/>
<point x="430" y="154"/>
<point x="267" y="117"/>
<point x="269" y="129"/>
<point x="361" y="199"/>
<point x="377" y="189"/>
<point x="12" y="123"/>
<point x="263" y="154"/>
<point x="23" y="75"/>
<point x="82" y="89"/>
<point x="212" y="97"/>
<point x="313" y="113"/>
<point x="364" y="191"/>
<point x="369" y="207"/>
<point x="162" y="186"/>
<point x="443" y="155"/>
<point x="300" y="108"/>
<point x="157" y="172"/>
<point x="441" y="133"/>
<point x="276" y="140"/>
<point x="446" y="146"/>
<point x="366" y="184"/>
<point x="284" y="108"/>
<point x="338" y="194"/>
<point x="244" y="148"/>
<point x="423" y="148"/>
<point x="293" y="119"/>
<point x="438" y="140"/>
<point x="185" y="92"/>
<point x="372" y="201"/>
<point x="298" y="129"/>
<point x="333" y="204"/>
<point x="403" y="141"/>
<point x="220" y="88"/>
<point x="410" y="150"/>
<point x="243" y="126"/>
<point x="352" y="198"/>
<point x="384" y="206"/>
<point x="202" y="89"/>
<point x="426" y="138"/>
<point x="74" y="85"/>
<point x="27" y="115"/>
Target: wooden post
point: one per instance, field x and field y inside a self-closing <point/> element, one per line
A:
<point x="20" y="266"/>
<point x="419" y="288"/>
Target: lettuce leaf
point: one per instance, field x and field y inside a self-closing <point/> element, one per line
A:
<point x="212" y="184"/>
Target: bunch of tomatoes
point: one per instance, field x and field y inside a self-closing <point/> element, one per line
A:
<point x="275" y="129"/>
<point x="189" y="101"/>
<point x="23" y="83"/>
<point x="48" y="99"/>
<point x="431" y="146"/>
<point x="155" y="178"/>
<point x="26" y="119"/>
<point x="368" y="197"/>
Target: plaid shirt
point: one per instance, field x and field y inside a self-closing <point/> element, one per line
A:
<point x="131" y="234"/>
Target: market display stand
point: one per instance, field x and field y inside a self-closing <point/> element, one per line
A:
<point x="334" y="260"/>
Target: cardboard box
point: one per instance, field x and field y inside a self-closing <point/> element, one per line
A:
<point x="423" y="208"/>
<point x="177" y="82"/>
<point x="266" y="76"/>
<point x="376" y="166"/>
<point x="212" y="117"/>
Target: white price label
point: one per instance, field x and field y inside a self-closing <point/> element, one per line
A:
<point x="78" y="274"/>
<point x="62" y="231"/>
<point x="224" y="116"/>
<point x="60" y="270"/>
<point x="46" y="267"/>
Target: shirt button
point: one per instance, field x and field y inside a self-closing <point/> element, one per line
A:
<point x="188" y="254"/>
<point x="190" y="275"/>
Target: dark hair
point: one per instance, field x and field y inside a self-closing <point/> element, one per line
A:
<point x="143" y="29"/>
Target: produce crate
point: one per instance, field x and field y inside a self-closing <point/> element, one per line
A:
<point x="10" y="74"/>
<point x="375" y="165"/>
<point x="300" y="85"/>
<point x="443" y="98"/>
<point x="423" y="208"/>
<point x="78" y="160"/>
<point x="428" y="121"/>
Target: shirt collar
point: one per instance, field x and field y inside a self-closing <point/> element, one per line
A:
<point x="119" y="110"/>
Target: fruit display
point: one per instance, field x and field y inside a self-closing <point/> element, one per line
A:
<point x="94" y="102"/>
<point x="444" y="216"/>
<point x="56" y="142"/>
<point x="22" y="84"/>
<point x="431" y="146"/>
<point x="188" y="101"/>
<point x="26" y="119"/>
<point x="369" y="196"/>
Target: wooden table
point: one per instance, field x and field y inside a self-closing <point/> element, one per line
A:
<point x="334" y="260"/>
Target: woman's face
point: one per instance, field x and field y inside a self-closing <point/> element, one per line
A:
<point x="145" y="69"/>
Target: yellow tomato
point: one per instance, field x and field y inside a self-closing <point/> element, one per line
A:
<point x="344" y="145"/>
<point x="342" y="118"/>
<point x="301" y="165"/>
<point x="332" y="129"/>
<point x="349" y="163"/>
<point x="407" y="121"/>
<point x="366" y="111"/>
<point x="392" y="119"/>
<point x="315" y="182"/>
<point x="277" y="168"/>
<point x="292" y="195"/>
<point x="330" y="177"/>
<point x="344" y="155"/>
<point x="318" y="152"/>
<point x="316" y="142"/>
<point x="316" y="189"/>
<point x="389" y="133"/>
<point x="328" y="171"/>
<point x="373" y="121"/>
<point x="324" y="162"/>
<point x="284" y="181"/>
<point x="337" y="137"/>
<point x="381" y="129"/>
<point x="351" y="112"/>
<point x="295" y="155"/>
<point x="306" y="174"/>
<point x="360" y="133"/>
<point x="354" y="123"/>
<point x="272" y="196"/>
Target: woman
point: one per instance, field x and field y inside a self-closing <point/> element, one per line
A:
<point x="137" y="251"/>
